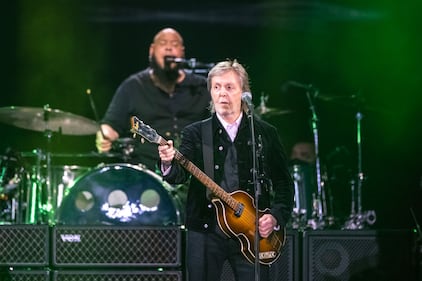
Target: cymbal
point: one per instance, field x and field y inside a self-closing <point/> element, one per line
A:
<point x="57" y="155"/>
<point x="92" y="154"/>
<point x="48" y="119"/>
<point x="268" y="111"/>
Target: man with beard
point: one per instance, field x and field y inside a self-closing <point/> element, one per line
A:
<point x="163" y="95"/>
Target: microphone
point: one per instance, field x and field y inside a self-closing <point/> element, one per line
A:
<point x="188" y="63"/>
<point x="247" y="99"/>
<point x="170" y="59"/>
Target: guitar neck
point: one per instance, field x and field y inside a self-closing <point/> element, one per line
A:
<point x="203" y="178"/>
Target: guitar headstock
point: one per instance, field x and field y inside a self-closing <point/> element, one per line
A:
<point x="144" y="130"/>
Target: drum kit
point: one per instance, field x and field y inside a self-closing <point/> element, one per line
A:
<point x="120" y="193"/>
<point x="35" y="190"/>
<point x="314" y="202"/>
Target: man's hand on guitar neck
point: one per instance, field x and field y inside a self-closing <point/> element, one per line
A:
<point x="267" y="223"/>
<point x="166" y="153"/>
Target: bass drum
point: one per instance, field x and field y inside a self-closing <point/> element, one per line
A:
<point x="118" y="194"/>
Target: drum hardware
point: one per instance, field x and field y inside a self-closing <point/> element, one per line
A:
<point x="263" y="110"/>
<point x="36" y="208"/>
<point x="126" y="146"/>
<point x="319" y="200"/>
<point x="302" y="183"/>
<point x="12" y="187"/>
<point x="47" y="119"/>
<point x="49" y="183"/>
<point x="40" y="196"/>
<point x="357" y="218"/>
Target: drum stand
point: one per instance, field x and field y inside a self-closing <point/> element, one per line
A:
<point x="318" y="200"/>
<point x="41" y="209"/>
<point x="357" y="217"/>
<point x="32" y="214"/>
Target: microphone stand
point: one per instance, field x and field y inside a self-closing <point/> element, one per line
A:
<point x="257" y="188"/>
<point x="318" y="199"/>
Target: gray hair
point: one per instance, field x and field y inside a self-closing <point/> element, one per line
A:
<point x="225" y="66"/>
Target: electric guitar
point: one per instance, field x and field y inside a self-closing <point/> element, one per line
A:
<point x="236" y="211"/>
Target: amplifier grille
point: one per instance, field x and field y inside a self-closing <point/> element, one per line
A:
<point x="24" y="245"/>
<point x="116" y="246"/>
<point x="78" y="275"/>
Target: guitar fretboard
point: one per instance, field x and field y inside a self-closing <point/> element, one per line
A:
<point x="204" y="179"/>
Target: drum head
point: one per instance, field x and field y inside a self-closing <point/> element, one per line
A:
<point x="119" y="194"/>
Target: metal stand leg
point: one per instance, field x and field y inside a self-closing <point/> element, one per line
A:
<point x="319" y="203"/>
<point x="33" y="197"/>
<point x="358" y="218"/>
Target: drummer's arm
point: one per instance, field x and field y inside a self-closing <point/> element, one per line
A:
<point x="105" y="138"/>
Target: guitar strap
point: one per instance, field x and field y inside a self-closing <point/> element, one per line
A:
<point x="207" y="149"/>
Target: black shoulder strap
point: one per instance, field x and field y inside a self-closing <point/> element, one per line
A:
<point x="207" y="147"/>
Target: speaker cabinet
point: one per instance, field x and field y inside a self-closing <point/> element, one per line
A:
<point x="285" y="268"/>
<point x="24" y="245"/>
<point x="116" y="246"/>
<point x="24" y="275"/>
<point x="357" y="255"/>
<point x="116" y="275"/>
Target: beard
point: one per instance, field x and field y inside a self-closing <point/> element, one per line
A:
<point x="166" y="75"/>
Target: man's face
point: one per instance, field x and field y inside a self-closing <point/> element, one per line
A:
<point x="226" y="94"/>
<point x="167" y="43"/>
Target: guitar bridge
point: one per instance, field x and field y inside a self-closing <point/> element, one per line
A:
<point x="239" y="210"/>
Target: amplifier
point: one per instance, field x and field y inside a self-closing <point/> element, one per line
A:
<point x="24" y="275"/>
<point x="357" y="255"/>
<point x="116" y="275"/>
<point x="24" y="245"/>
<point x="116" y="246"/>
<point x="285" y="268"/>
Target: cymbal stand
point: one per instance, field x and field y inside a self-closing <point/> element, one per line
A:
<point x="319" y="202"/>
<point x="47" y="206"/>
<point x="357" y="217"/>
<point x="39" y="198"/>
<point x="33" y="197"/>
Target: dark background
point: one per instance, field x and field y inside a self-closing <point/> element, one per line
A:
<point x="53" y="51"/>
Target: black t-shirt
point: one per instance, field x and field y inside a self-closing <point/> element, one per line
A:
<point x="167" y="114"/>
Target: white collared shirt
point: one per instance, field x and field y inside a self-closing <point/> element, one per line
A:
<point x="231" y="129"/>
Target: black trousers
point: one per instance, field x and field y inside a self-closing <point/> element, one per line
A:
<point x="207" y="252"/>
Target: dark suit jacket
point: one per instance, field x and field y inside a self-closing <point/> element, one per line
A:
<point x="200" y="213"/>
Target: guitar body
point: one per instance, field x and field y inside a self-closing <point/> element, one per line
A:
<point x="242" y="227"/>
